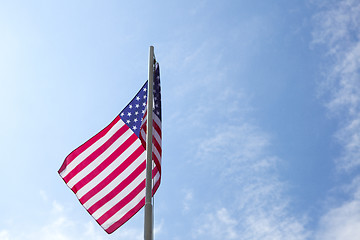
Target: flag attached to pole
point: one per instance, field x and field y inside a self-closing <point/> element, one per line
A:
<point x="107" y="173"/>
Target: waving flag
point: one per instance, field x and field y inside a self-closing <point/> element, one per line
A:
<point x="107" y="173"/>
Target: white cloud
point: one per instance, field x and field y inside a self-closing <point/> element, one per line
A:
<point x="337" y="28"/>
<point x="349" y="137"/>
<point x="342" y="222"/>
<point x="157" y="228"/>
<point x="258" y="207"/>
<point x="218" y="225"/>
<point x="269" y="227"/>
<point x="250" y="201"/>
<point x="4" y="235"/>
<point x="43" y="195"/>
<point x="188" y="197"/>
<point x="57" y="208"/>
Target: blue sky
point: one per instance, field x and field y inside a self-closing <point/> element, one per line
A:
<point x="261" y="114"/>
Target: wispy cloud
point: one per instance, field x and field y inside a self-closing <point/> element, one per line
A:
<point x="188" y="197"/>
<point x="342" y="221"/>
<point x="219" y="225"/>
<point x="4" y="235"/>
<point x="337" y="29"/>
<point x="259" y="207"/>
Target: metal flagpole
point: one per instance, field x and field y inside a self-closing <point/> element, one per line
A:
<point x="148" y="223"/>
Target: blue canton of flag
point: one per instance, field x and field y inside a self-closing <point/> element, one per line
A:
<point x="133" y="113"/>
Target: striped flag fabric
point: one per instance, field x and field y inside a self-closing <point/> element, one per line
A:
<point x="107" y="173"/>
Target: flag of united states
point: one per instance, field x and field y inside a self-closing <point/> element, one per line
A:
<point x="107" y="173"/>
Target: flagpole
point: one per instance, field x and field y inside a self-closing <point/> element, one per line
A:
<point x="148" y="223"/>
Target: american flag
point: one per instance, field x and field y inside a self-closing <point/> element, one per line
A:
<point x="107" y="173"/>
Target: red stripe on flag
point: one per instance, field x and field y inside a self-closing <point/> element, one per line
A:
<point x="156" y="127"/>
<point x="144" y="127"/>
<point x="154" y="172"/>
<point x="157" y="146"/>
<point x="156" y="183"/>
<point x="157" y="162"/>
